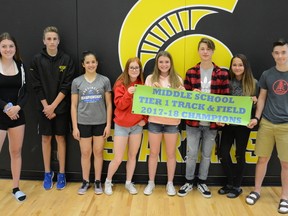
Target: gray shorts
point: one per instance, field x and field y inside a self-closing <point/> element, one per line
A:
<point x="127" y="131"/>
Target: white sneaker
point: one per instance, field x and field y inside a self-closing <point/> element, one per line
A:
<point x="108" y="188"/>
<point x="131" y="188"/>
<point x="170" y="189"/>
<point x="149" y="188"/>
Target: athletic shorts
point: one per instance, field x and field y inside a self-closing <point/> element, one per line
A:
<point x="57" y="126"/>
<point x="6" y="122"/>
<point x="162" y="128"/>
<point x="127" y="131"/>
<point x="268" y="136"/>
<point x="87" y="131"/>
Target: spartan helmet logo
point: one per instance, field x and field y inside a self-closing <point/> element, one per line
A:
<point x="151" y="26"/>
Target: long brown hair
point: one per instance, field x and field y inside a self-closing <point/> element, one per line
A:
<point x="248" y="80"/>
<point x="173" y="75"/>
<point x="124" y="76"/>
<point x="7" y="36"/>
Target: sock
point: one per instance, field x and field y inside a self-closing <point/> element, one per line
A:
<point x="151" y="182"/>
<point x="108" y="181"/>
<point x="190" y="181"/>
<point x="127" y="182"/>
<point x="169" y="182"/>
<point x="14" y="190"/>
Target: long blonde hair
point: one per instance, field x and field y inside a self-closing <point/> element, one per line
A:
<point x="173" y="75"/>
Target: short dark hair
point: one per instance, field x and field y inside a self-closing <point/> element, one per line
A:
<point x="279" y="42"/>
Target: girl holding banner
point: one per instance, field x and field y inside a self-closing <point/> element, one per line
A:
<point x="163" y="76"/>
<point x="242" y="83"/>
<point x="128" y="126"/>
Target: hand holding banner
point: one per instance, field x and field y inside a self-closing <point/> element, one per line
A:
<point x="173" y="103"/>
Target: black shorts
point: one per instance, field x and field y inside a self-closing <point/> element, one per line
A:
<point x="87" y="131"/>
<point x="60" y="125"/>
<point x="6" y="122"/>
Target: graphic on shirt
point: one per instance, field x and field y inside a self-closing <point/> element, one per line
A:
<point x="205" y="85"/>
<point x="171" y="25"/>
<point x="280" y="87"/>
<point x="91" y="95"/>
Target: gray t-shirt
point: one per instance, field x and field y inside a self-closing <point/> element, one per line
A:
<point x="206" y="75"/>
<point x="276" y="106"/>
<point x="91" y="99"/>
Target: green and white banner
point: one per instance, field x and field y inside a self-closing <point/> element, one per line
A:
<point x="166" y="102"/>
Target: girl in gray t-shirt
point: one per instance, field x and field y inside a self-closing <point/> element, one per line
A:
<point x="91" y="112"/>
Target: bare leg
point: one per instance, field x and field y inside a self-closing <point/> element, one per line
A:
<point x="46" y="151"/>
<point x="284" y="180"/>
<point x="261" y="168"/>
<point x="98" y="146"/>
<point x="170" y="140"/>
<point x="154" y="143"/>
<point x="61" y="147"/>
<point x="86" y="151"/>
<point x="134" y="144"/>
<point x="16" y="136"/>
<point x="120" y="144"/>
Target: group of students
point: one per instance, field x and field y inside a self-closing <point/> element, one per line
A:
<point x="53" y="78"/>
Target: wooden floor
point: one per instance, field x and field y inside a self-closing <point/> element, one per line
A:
<point x="121" y="203"/>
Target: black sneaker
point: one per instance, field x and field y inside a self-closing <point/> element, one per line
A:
<point x="204" y="190"/>
<point x="185" y="189"/>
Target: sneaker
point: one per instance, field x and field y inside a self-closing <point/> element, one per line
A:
<point x="48" y="180"/>
<point x="84" y="187"/>
<point x="61" y="181"/>
<point x="97" y="187"/>
<point x="204" y="190"/>
<point x="149" y="188"/>
<point x="185" y="189"/>
<point x="108" y="188"/>
<point x="170" y="189"/>
<point x="131" y="188"/>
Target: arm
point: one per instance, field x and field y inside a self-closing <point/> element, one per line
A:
<point x="74" y="105"/>
<point x="108" y="101"/>
<point x="65" y="86"/>
<point x="259" y="108"/>
<point x="49" y="109"/>
<point x="36" y="80"/>
<point x="122" y="97"/>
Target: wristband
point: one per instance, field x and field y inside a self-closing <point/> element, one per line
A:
<point x="9" y="105"/>
<point x="257" y="119"/>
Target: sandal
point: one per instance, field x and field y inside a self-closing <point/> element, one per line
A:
<point x="252" y="198"/>
<point x="235" y="192"/>
<point x="19" y="196"/>
<point x="225" y="190"/>
<point x="283" y="206"/>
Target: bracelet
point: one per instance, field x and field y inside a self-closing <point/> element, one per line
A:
<point x="256" y="119"/>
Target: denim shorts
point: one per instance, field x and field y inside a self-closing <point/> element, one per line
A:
<point x="127" y="131"/>
<point x="162" y="128"/>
